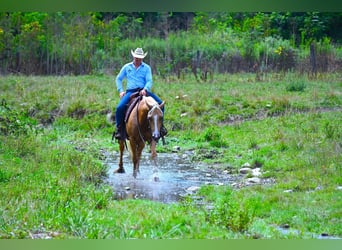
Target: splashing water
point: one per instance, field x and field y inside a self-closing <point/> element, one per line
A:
<point x="178" y="177"/>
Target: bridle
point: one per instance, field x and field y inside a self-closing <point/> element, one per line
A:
<point x="149" y="114"/>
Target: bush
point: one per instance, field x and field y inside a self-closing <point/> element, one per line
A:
<point x="296" y="86"/>
<point x="214" y="137"/>
<point x="15" y="122"/>
<point x="233" y="213"/>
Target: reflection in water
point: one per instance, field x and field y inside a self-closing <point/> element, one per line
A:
<point x="178" y="176"/>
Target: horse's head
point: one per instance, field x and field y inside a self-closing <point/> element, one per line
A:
<point x="155" y="118"/>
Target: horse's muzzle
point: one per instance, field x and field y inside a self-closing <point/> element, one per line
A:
<point x="156" y="135"/>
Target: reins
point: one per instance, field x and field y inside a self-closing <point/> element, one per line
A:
<point x="139" y="130"/>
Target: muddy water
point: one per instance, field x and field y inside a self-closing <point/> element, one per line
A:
<point x="178" y="177"/>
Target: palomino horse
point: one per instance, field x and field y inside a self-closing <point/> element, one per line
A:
<point x="143" y="125"/>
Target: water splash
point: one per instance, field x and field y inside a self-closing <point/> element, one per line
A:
<point x="178" y="177"/>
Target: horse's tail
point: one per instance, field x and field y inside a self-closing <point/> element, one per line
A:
<point x="111" y="118"/>
<point x="129" y="147"/>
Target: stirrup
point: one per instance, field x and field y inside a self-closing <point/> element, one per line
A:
<point x="118" y="136"/>
<point x="163" y="140"/>
<point x="163" y="131"/>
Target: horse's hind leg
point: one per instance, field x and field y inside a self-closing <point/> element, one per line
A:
<point x="122" y="148"/>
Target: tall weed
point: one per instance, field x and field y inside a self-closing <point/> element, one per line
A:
<point x="231" y="212"/>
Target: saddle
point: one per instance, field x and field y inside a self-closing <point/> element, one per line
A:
<point x="134" y="99"/>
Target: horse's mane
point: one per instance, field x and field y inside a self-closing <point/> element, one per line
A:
<point x="149" y="101"/>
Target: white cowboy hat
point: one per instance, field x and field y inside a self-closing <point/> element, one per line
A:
<point x="138" y="53"/>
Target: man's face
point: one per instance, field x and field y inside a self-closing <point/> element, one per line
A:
<point x="137" y="61"/>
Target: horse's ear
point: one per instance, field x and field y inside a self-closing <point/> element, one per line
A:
<point x="162" y="104"/>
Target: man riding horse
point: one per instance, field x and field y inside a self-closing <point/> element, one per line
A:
<point x="139" y="78"/>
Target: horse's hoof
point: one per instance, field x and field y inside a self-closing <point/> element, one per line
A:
<point x="119" y="171"/>
<point x="156" y="178"/>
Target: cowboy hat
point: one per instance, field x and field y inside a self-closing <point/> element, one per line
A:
<point x="138" y="53"/>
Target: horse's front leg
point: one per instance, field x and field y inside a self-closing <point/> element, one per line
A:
<point x="136" y="157"/>
<point x="122" y="148"/>
<point x="154" y="158"/>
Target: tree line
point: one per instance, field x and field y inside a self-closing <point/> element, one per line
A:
<point x="201" y="43"/>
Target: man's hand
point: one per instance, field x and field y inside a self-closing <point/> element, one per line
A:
<point x="143" y="92"/>
<point x="122" y="94"/>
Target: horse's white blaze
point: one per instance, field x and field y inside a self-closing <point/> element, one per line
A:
<point x="155" y="120"/>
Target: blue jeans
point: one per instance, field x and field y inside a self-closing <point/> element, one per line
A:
<point x="122" y="106"/>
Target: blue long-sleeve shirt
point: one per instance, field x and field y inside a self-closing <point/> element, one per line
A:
<point x="136" y="78"/>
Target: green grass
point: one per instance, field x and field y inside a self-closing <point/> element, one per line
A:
<point x="54" y="129"/>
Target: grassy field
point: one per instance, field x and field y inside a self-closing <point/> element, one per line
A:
<point x="54" y="132"/>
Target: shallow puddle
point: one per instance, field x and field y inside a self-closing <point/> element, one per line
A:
<point x="178" y="177"/>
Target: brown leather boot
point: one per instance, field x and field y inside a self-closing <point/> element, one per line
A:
<point x="119" y="134"/>
<point x="163" y="131"/>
